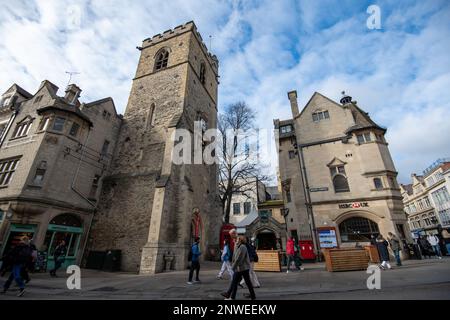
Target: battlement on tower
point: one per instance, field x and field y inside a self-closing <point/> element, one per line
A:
<point x="188" y="26"/>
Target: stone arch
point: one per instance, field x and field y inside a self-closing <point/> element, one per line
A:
<point x="67" y="219"/>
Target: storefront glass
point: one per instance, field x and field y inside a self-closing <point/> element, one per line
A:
<point x="16" y="232"/>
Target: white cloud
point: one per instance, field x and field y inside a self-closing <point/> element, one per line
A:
<point x="400" y="75"/>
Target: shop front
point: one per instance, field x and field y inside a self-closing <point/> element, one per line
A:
<point x="16" y="232"/>
<point x="67" y="228"/>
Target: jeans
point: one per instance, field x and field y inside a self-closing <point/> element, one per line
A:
<point x="437" y="250"/>
<point x="237" y="278"/>
<point x="15" y="275"/>
<point x="58" y="264"/>
<point x="195" y="265"/>
<point x="397" y="257"/>
<point x="226" y="265"/>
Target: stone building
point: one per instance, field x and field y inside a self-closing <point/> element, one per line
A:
<point x="338" y="178"/>
<point x="427" y="199"/>
<point x="151" y="208"/>
<point x="263" y="219"/>
<point x="54" y="152"/>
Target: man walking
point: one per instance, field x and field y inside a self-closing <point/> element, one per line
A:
<point x="226" y="260"/>
<point x="59" y="256"/>
<point x="433" y="240"/>
<point x="195" y="261"/>
<point x="20" y="256"/>
<point x="394" y="242"/>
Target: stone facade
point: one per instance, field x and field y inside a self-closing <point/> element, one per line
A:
<point x="151" y="207"/>
<point x="337" y="173"/>
<point x="54" y="152"/>
<point x="427" y="199"/>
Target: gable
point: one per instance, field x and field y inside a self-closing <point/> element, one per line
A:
<point x="336" y="162"/>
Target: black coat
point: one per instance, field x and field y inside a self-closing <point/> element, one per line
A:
<point x="383" y="250"/>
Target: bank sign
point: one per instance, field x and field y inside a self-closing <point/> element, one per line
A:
<point x="353" y="205"/>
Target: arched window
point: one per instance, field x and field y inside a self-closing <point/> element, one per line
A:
<point x="358" y="229"/>
<point x="202" y="73"/>
<point x="378" y="184"/>
<point x="161" y="60"/>
<point x="340" y="183"/>
<point x="67" y="219"/>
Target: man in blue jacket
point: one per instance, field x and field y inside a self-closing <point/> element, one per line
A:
<point x="195" y="263"/>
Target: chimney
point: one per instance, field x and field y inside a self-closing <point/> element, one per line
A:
<point x="72" y="93"/>
<point x="292" y="95"/>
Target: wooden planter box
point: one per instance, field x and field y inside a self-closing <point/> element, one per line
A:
<point x="372" y="251"/>
<point x="346" y="259"/>
<point x="268" y="260"/>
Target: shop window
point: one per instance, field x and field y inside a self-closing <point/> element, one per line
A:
<point x="7" y="169"/>
<point x="377" y="183"/>
<point x="236" y="208"/>
<point x="58" y="124"/>
<point x="358" y="229"/>
<point x="247" y="207"/>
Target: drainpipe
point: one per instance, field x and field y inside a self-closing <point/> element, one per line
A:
<point x="94" y="205"/>
<point x="308" y="202"/>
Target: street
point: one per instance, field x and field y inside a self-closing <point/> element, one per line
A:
<point x="416" y="279"/>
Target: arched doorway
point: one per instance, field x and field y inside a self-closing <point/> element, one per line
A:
<point x="358" y="229"/>
<point x="64" y="227"/>
<point x="266" y="240"/>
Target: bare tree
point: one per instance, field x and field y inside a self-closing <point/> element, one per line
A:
<point x="239" y="165"/>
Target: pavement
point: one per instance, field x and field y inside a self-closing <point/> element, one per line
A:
<point x="416" y="279"/>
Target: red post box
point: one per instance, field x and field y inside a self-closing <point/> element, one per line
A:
<point x="307" y="249"/>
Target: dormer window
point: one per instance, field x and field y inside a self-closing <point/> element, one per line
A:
<point x="363" y="137"/>
<point x="320" y="115"/>
<point x="23" y="128"/>
<point x="161" y="60"/>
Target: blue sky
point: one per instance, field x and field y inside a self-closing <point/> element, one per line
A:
<point x="399" y="74"/>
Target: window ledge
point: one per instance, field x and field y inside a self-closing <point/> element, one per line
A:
<point x="17" y="138"/>
<point x="34" y="186"/>
<point x="4" y="187"/>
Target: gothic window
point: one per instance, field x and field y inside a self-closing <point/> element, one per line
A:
<point x="161" y="60"/>
<point x="378" y="184"/>
<point x="202" y="73"/>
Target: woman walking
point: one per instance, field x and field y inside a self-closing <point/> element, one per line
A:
<point x="226" y="260"/>
<point x="382" y="246"/>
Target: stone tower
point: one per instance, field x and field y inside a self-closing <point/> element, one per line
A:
<point x="151" y="208"/>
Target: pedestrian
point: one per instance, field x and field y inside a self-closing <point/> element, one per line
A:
<point x="59" y="256"/>
<point x="433" y="240"/>
<point x="290" y="252"/>
<point x="241" y="269"/>
<point x="425" y="246"/>
<point x="394" y="242"/>
<point x="253" y="256"/>
<point x="226" y="260"/>
<point x="29" y="267"/>
<point x="20" y="256"/>
<point x="297" y="256"/>
<point x="382" y="246"/>
<point x="195" y="261"/>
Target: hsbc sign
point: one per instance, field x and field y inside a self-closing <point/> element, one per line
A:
<point x="353" y="205"/>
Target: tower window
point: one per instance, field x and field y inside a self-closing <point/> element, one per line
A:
<point x="202" y="73"/>
<point x="161" y="60"/>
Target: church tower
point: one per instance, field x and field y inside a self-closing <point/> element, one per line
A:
<point x="151" y="208"/>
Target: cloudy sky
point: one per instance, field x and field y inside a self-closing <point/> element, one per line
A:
<point x="400" y="73"/>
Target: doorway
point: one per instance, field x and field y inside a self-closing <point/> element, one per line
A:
<point x="266" y="240"/>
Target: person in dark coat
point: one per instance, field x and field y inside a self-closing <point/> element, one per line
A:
<point x="425" y="247"/>
<point x="20" y="256"/>
<point x="382" y="246"/>
<point x="59" y="256"/>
